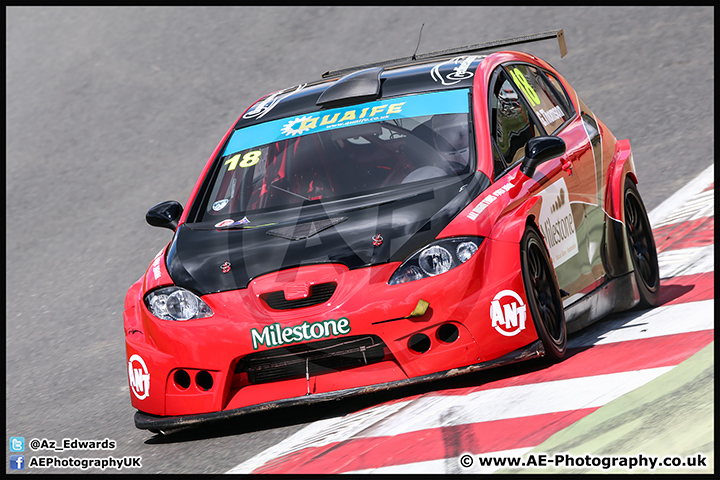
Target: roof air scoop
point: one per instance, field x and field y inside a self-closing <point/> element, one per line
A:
<point x="360" y="84"/>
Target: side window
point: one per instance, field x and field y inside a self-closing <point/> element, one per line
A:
<point x="556" y="91"/>
<point x="550" y="107"/>
<point x="510" y="122"/>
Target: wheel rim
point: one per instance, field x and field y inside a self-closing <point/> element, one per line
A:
<point x="640" y="235"/>
<point x="543" y="293"/>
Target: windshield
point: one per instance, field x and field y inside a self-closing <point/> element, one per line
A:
<point x="341" y="152"/>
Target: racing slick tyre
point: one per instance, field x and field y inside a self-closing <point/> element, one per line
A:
<point x="543" y="294"/>
<point x="642" y="246"/>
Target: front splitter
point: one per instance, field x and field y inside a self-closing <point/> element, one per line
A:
<point x="169" y="425"/>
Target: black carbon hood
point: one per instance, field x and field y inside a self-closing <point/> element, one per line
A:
<point x="337" y="232"/>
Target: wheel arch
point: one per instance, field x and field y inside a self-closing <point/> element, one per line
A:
<point x="616" y="255"/>
<point x="621" y="166"/>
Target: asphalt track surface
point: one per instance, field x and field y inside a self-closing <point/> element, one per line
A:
<point x="112" y="110"/>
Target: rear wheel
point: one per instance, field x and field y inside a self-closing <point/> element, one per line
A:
<point x="543" y="294"/>
<point x="642" y="246"/>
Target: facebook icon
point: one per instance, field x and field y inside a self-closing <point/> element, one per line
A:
<point x="17" y="462"/>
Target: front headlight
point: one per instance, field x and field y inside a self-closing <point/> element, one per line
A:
<point x="435" y="259"/>
<point x="176" y="304"/>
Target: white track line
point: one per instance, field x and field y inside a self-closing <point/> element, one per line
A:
<point x="656" y="322"/>
<point x="687" y="261"/>
<point x="678" y="200"/>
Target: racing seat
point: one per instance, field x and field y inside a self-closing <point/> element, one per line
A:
<point x="441" y="142"/>
<point x="306" y="172"/>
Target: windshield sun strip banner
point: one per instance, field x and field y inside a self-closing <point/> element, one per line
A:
<point x="435" y="103"/>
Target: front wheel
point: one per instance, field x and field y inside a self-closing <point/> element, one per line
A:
<point x="543" y="294"/>
<point x="642" y="246"/>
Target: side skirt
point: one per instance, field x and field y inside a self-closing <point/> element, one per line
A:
<point x="616" y="295"/>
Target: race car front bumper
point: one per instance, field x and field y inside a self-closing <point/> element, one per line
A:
<point x="169" y="425"/>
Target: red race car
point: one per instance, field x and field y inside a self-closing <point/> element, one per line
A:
<point x="390" y="224"/>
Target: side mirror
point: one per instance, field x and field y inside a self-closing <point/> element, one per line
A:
<point x="539" y="150"/>
<point x="165" y="214"/>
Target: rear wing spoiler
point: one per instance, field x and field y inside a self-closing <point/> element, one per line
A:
<point x="535" y="37"/>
